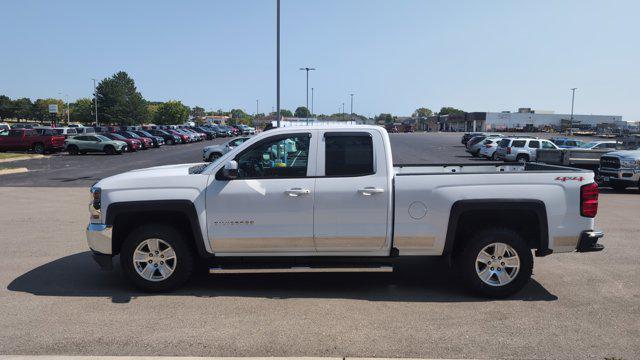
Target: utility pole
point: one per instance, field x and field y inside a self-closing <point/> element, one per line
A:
<point x="351" y="105"/>
<point x="307" y="69"/>
<point x="278" y="62"/>
<point x="95" y="100"/>
<point x="343" y="110"/>
<point x="573" y="96"/>
<point x="311" y="101"/>
<point x="257" y="107"/>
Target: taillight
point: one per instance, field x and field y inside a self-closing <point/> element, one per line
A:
<point x="589" y="200"/>
<point x="509" y="150"/>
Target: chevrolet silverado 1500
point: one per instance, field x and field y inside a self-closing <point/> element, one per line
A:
<point x="320" y="199"/>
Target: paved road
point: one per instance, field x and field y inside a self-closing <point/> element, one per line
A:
<point x="62" y="170"/>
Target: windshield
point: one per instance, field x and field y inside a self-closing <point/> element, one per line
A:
<point x="589" y="145"/>
<point x="134" y="135"/>
<point x="118" y="136"/>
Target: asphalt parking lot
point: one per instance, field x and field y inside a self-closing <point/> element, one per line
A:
<point x="55" y="300"/>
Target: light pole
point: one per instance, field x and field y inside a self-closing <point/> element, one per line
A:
<point x="95" y="100"/>
<point x="278" y="62"/>
<point x="307" y="69"/>
<point x="257" y="107"/>
<point x="573" y="96"/>
<point x="311" y="101"/>
<point x="66" y="97"/>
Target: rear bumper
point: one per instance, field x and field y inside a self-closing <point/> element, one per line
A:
<point x="589" y="241"/>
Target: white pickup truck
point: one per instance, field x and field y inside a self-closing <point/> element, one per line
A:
<point x="318" y="199"/>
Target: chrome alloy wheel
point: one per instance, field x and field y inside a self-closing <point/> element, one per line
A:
<point x="154" y="260"/>
<point x="497" y="264"/>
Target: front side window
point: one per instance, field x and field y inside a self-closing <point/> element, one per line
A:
<point x="348" y="155"/>
<point x="283" y="157"/>
<point x="547" y="145"/>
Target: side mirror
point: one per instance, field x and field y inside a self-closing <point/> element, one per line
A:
<point x="231" y="170"/>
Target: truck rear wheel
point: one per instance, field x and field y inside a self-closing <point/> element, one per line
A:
<point x="38" y="148"/>
<point x="156" y="258"/>
<point x="495" y="263"/>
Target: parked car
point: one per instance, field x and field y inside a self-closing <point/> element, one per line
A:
<point x="85" y="130"/>
<point x="4" y="126"/>
<point x="67" y="132"/>
<point x="489" y="147"/>
<point x="132" y="144"/>
<point x="220" y="132"/>
<point x="145" y="142"/>
<point x="620" y="169"/>
<point x="597" y="145"/>
<point x="247" y="130"/>
<point x="521" y="149"/>
<point x="283" y="194"/>
<point x="210" y="134"/>
<point x="24" y="139"/>
<point x="169" y="139"/>
<point x="467" y="136"/>
<point x="156" y="140"/>
<point x="184" y="138"/>
<point x="213" y="152"/>
<point x="474" y="144"/>
<point x="25" y="125"/>
<point x="199" y="135"/>
<point x="567" y="143"/>
<point x="83" y="144"/>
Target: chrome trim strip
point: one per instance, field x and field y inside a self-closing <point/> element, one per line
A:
<point x="302" y="269"/>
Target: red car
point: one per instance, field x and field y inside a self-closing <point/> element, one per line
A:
<point x="30" y="139"/>
<point x="185" y="138"/>
<point x="145" y="141"/>
<point x="134" y="145"/>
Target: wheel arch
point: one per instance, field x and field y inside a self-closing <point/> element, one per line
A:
<point x="126" y="216"/>
<point x="526" y="216"/>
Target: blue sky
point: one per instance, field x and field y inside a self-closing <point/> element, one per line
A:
<point x="394" y="55"/>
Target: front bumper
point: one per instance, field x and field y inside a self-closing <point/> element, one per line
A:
<point x="630" y="177"/>
<point x="588" y="241"/>
<point x="99" y="238"/>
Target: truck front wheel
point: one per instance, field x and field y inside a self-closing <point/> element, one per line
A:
<point x="156" y="258"/>
<point x="495" y="263"/>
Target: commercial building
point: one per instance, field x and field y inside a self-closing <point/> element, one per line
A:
<point x="525" y="119"/>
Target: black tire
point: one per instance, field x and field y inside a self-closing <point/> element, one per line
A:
<point x="215" y="156"/>
<point x="493" y="156"/>
<point x="38" y="148"/>
<point x="185" y="261"/>
<point x="522" y="158"/>
<point x="169" y="141"/>
<point x="465" y="262"/>
<point x="109" y="150"/>
<point x="73" y="150"/>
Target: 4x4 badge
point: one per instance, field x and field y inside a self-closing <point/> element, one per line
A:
<point x="569" y="178"/>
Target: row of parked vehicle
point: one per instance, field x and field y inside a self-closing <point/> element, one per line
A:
<point x="523" y="148"/>
<point x="109" y="139"/>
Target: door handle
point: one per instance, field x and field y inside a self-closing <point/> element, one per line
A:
<point x="369" y="190"/>
<point x="295" y="192"/>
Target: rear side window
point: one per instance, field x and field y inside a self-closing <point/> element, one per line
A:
<point x="504" y="142"/>
<point x="348" y="155"/>
<point x="518" y="143"/>
<point x="534" y="144"/>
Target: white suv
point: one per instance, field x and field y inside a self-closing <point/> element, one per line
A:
<point x="521" y="149"/>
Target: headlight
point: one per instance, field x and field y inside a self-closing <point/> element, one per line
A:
<point x="630" y="164"/>
<point x="96" y="196"/>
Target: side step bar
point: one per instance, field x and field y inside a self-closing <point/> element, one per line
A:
<point x="300" y="269"/>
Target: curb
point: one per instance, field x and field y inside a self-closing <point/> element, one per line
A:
<point x="13" y="171"/>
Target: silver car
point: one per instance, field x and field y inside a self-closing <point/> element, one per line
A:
<point x="521" y="149"/>
<point x="213" y="152"/>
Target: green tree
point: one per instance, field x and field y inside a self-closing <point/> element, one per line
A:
<point x="286" y="113"/>
<point x="238" y="114"/>
<point x="22" y="108"/>
<point x="384" y="118"/>
<point x="82" y="111"/>
<point x="198" y="114"/>
<point x="170" y="113"/>
<point x="40" y="110"/>
<point x="422" y="112"/>
<point x="302" y="112"/>
<point x="450" y="110"/>
<point x="119" y="101"/>
<point x="6" y="107"/>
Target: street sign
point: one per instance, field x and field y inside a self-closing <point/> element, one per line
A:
<point x="53" y="108"/>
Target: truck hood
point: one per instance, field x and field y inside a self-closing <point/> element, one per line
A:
<point x="625" y="154"/>
<point x="152" y="176"/>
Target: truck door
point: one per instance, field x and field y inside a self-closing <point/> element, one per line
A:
<point x="352" y="199"/>
<point x="268" y="208"/>
<point x="14" y="140"/>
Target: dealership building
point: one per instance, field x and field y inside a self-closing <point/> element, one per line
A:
<point x="525" y="119"/>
